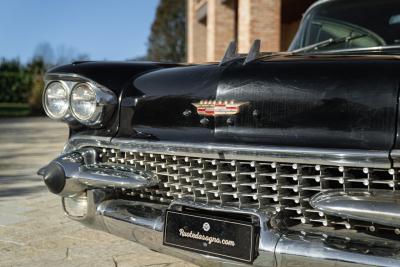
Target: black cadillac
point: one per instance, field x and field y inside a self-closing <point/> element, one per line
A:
<point x="265" y="159"/>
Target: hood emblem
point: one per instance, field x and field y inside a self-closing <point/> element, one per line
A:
<point x="218" y="108"/>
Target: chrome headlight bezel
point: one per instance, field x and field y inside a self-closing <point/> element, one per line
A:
<point x="45" y="100"/>
<point x="106" y="100"/>
<point x="104" y="104"/>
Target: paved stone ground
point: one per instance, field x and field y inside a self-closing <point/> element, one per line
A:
<point x="33" y="228"/>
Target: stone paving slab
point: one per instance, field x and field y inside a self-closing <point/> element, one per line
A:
<point x="33" y="229"/>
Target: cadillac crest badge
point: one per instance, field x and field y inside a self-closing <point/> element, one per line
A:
<point x="218" y="108"/>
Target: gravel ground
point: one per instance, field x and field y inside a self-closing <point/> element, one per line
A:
<point x="33" y="228"/>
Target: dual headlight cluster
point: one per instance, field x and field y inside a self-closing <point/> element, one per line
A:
<point x="85" y="102"/>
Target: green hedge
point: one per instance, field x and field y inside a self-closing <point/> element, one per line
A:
<point x="14" y="109"/>
<point x="14" y="86"/>
<point x="21" y="83"/>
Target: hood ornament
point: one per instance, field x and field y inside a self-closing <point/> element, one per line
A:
<point x="214" y="108"/>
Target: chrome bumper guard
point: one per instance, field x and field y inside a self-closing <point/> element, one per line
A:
<point x="73" y="173"/>
<point x="88" y="188"/>
<point x="143" y="222"/>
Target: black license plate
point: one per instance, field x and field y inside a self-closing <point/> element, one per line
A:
<point x="210" y="235"/>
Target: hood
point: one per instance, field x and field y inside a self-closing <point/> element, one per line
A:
<point x="307" y="101"/>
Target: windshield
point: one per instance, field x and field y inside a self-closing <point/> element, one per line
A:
<point x="373" y="23"/>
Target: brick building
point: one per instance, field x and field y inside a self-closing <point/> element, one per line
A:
<point x="212" y="24"/>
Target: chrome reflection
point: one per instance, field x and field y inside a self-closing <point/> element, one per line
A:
<point x="75" y="207"/>
<point x="143" y="222"/>
<point x="82" y="170"/>
<point x="378" y="206"/>
<point x="301" y="155"/>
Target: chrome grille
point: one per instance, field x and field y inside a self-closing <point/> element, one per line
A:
<point x="271" y="186"/>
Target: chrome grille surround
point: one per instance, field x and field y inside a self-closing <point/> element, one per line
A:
<point x="274" y="187"/>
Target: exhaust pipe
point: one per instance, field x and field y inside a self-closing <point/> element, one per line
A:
<point x="71" y="174"/>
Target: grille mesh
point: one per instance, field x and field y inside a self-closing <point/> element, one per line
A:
<point x="277" y="187"/>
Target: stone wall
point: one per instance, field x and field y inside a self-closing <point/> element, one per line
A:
<point x="212" y="24"/>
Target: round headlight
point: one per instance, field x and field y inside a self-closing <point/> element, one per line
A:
<point x="56" y="100"/>
<point x="83" y="103"/>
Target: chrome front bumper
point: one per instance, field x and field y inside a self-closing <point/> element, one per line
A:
<point x="99" y="207"/>
<point x="144" y="222"/>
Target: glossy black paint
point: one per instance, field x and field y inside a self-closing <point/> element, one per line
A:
<point x="115" y="76"/>
<point x="165" y="111"/>
<point x="316" y="101"/>
<point x="324" y="102"/>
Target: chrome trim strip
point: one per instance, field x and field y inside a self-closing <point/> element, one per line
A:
<point x="53" y="76"/>
<point x="335" y="157"/>
<point x="315" y="4"/>
<point x="78" y="141"/>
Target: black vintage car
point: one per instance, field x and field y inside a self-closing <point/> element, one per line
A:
<point x="270" y="159"/>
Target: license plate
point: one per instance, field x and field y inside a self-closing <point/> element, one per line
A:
<point x="210" y="235"/>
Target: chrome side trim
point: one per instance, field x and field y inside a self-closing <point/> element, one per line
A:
<point x="79" y="141"/>
<point x="380" y="207"/>
<point x="335" y="157"/>
<point x="67" y="77"/>
<point x="315" y="4"/>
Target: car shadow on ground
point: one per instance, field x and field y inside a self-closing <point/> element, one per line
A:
<point x="19" y="178"/>
<point x="18" y="191"/>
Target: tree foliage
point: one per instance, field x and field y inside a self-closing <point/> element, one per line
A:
<point x="23" y="83"/>
<point x="57" y="56"/>
<point x="14" y="81"/>
<point x="37" y="68"/>
<point x="167" y="39"/>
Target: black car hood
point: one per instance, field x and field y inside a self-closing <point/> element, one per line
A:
<point x="325" y="102"/>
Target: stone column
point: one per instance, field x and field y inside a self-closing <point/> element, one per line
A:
<point x="220" y="28"/>
<point x="259" y="19"/>
<point x="196" y="33"/>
